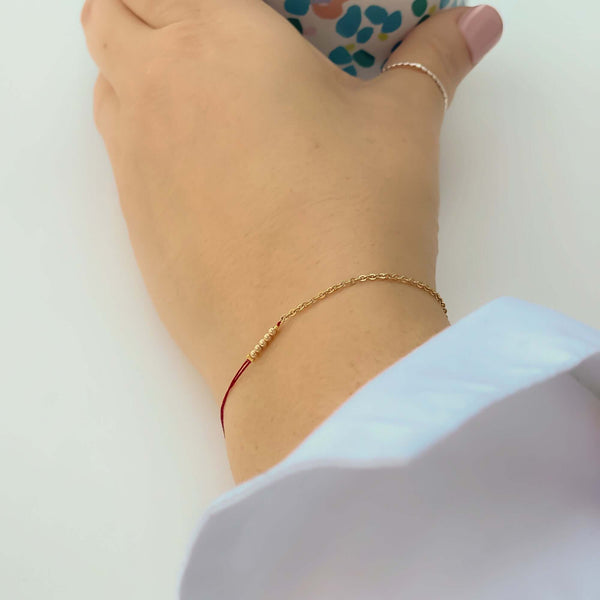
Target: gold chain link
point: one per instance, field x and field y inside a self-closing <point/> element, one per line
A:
<point x="262" y="344"/>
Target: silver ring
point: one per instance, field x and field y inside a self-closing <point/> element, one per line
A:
<point x="425" y="70"/>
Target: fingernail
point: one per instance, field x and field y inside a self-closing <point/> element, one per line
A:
<point x="482" y="29"/>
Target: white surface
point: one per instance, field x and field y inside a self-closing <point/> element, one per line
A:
<point x="110" y="448"/>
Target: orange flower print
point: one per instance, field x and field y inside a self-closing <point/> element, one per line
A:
<point x="328" y="10"/>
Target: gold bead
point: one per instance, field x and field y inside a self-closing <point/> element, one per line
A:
<point x="262" y="343"/>
<point x="267" y="337"/>
<point x="272" y="331"/>
<point x="253" y="354"/>
<point x="257" y="348"/>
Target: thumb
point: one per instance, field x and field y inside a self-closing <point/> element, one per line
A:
<point x="449" y="44"/>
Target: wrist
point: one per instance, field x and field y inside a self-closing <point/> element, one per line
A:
<point x="318" y="360"/>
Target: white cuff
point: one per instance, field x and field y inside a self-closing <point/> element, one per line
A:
<point x="469" y="469"/>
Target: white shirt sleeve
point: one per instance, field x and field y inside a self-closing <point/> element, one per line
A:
<point x="469" y="469"/>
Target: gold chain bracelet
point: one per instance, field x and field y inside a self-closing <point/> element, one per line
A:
<point x="263" y="343"/>
<point x="267" y="338"/>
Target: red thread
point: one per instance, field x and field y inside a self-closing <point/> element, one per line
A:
<point x="237" y="375"/>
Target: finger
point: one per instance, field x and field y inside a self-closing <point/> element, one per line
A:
<point x="449" y="44"/>
<point x="160" y="13"/>
<point x="106" y="108"/>
<point x="115" y="37"/>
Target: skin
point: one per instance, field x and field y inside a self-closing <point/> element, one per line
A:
<point x="252" y="174"/>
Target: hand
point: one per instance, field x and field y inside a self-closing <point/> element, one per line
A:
<point x="253" y="172"/>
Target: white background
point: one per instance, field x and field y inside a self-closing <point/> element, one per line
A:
<point x="110" y="446"/>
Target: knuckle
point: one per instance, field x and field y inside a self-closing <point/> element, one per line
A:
<point x="162" y="11"/>
<point x="152" y="9"/>
<point x="183" y="38"/>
